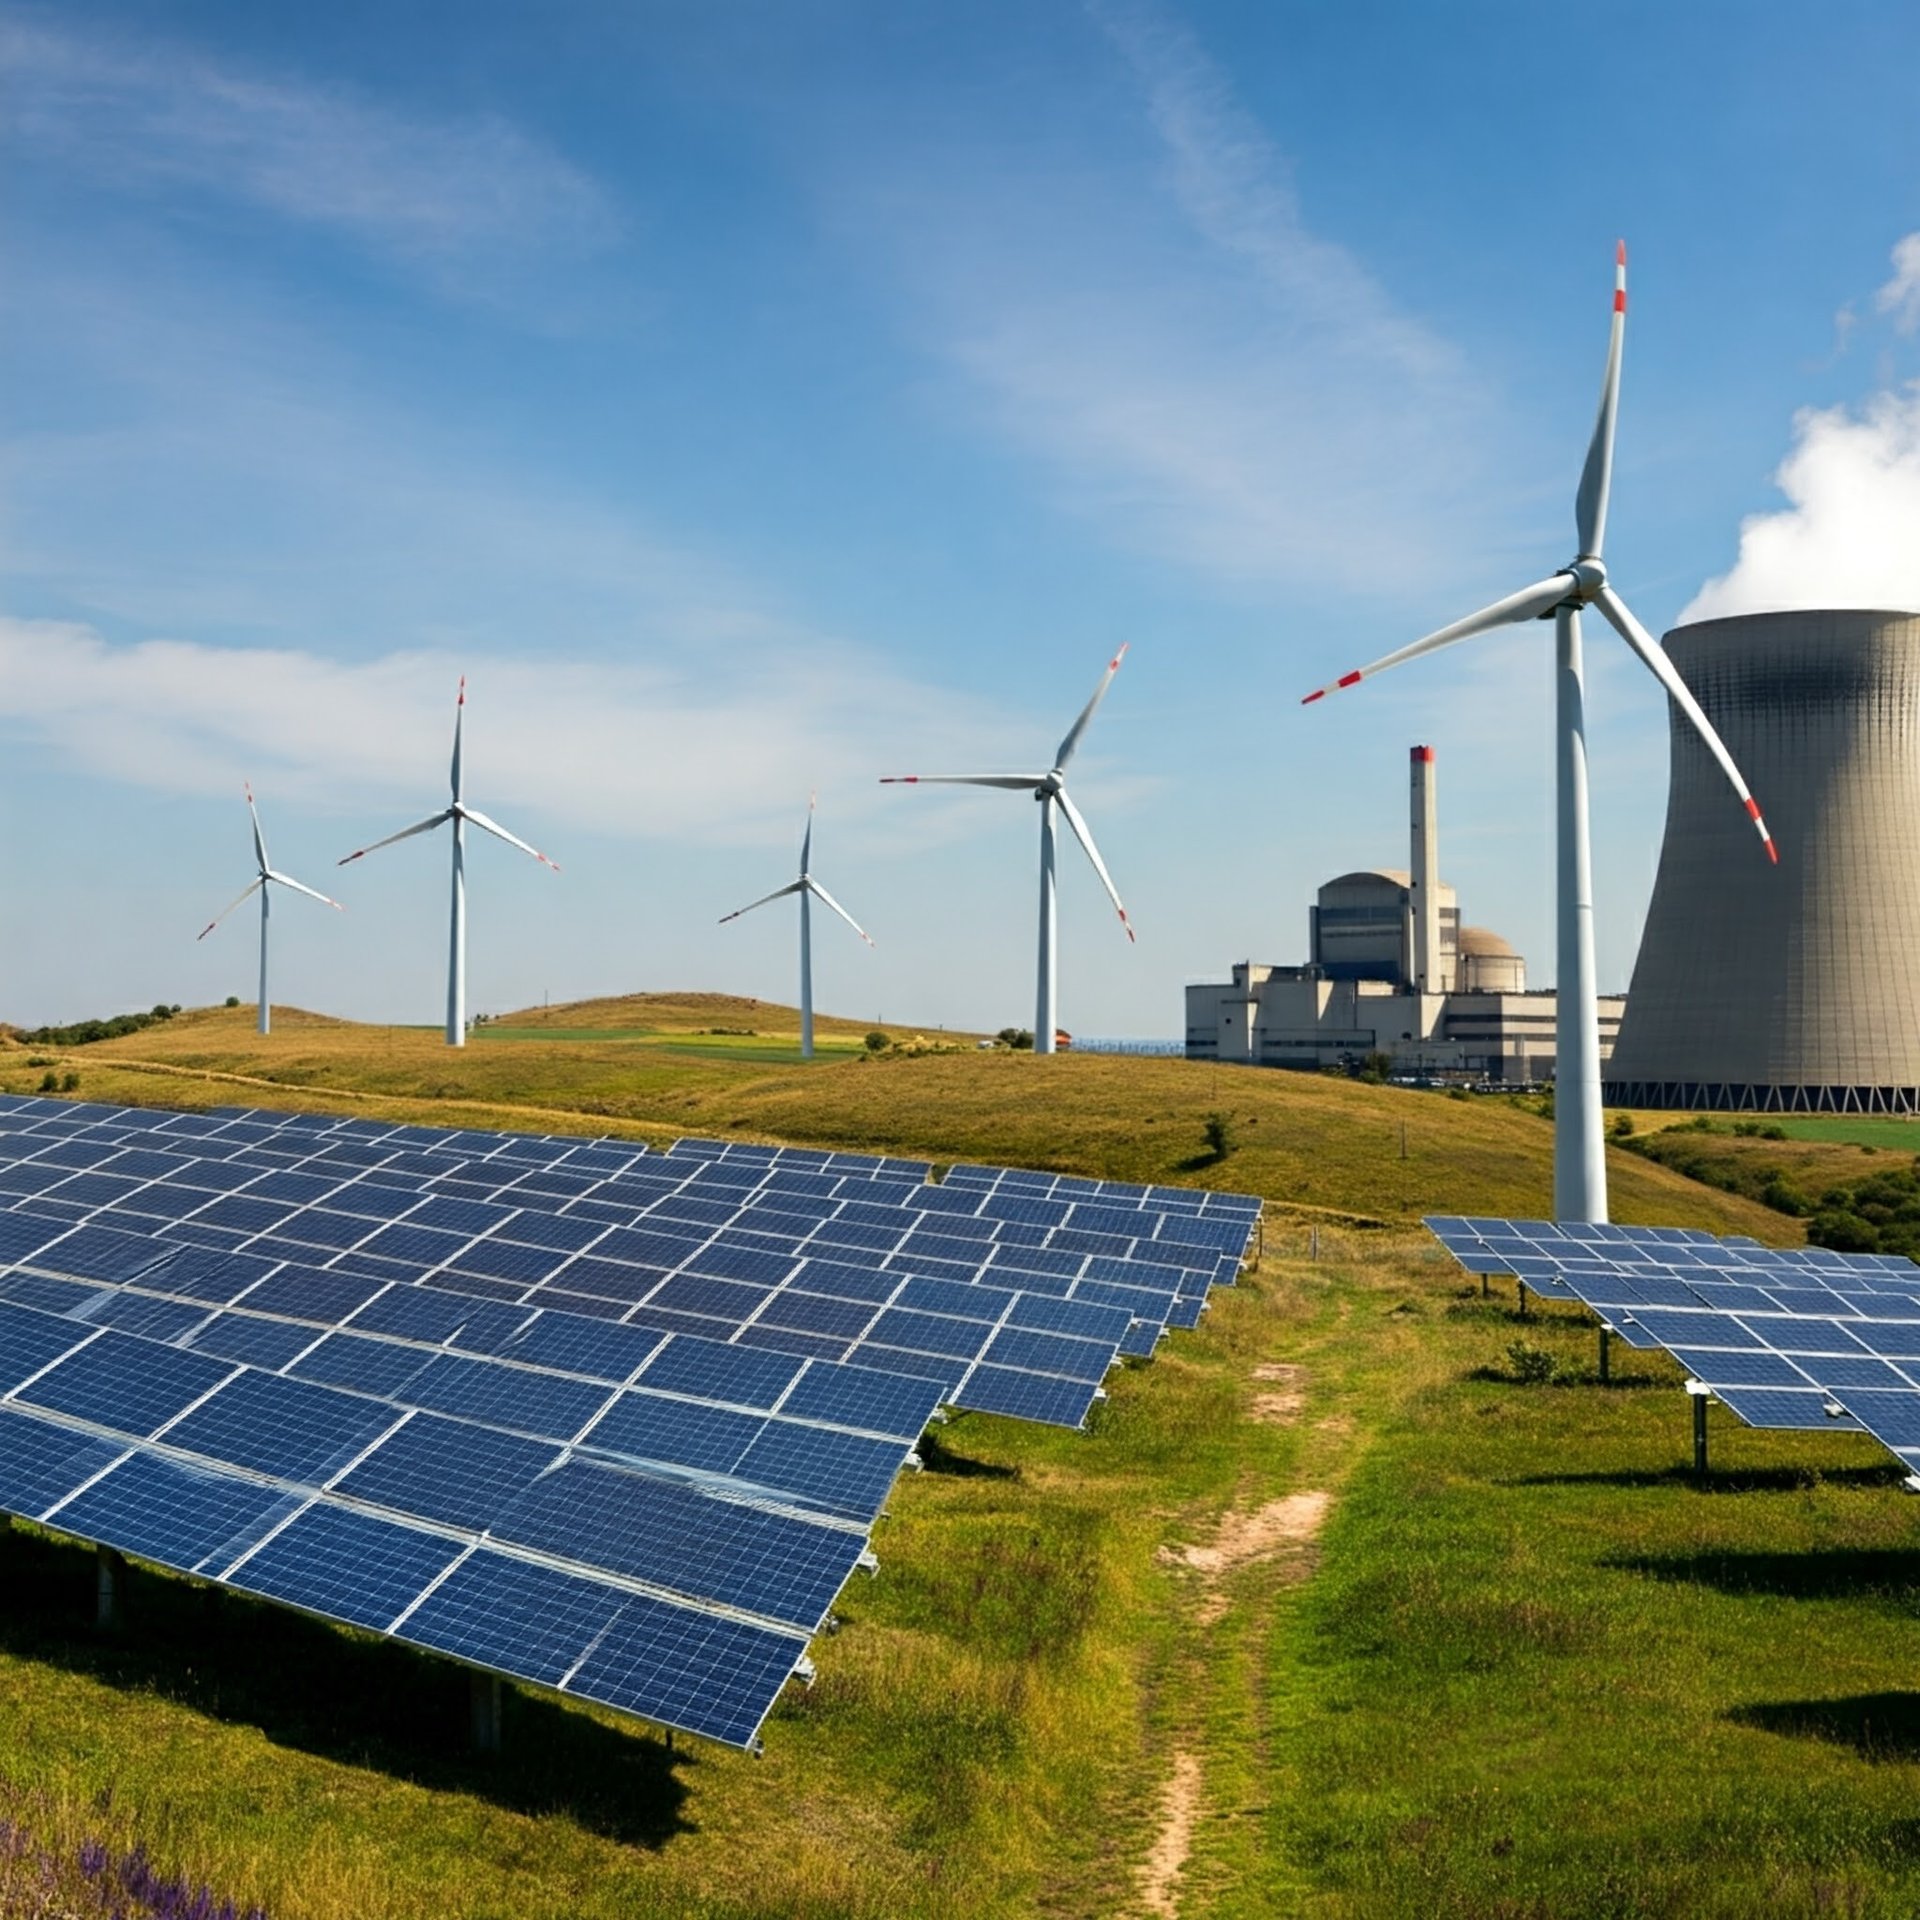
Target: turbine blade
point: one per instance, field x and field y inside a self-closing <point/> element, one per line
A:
<point x="459" y="721"/>
<point x="1596" y="478"/>
<point x="499" y="832"/>
<point x="229" y="907"/>
<point x="1071" y="744"/>
<point x="1013" y="782"/>
<point x="1542" y="597"/>
<point x="1084" y="834"/>
<point x="1650" y="650"/>
<point x="827" y="900"/>
<point x="406" y="833"/>
<point x="806" y="845"/>
<point x="779" y="893"/>
<point x="287" y="880"/>
<point x="259" y="839"/>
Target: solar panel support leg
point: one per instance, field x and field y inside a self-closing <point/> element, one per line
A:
<point x="1700" y="1434"/>
<point x="109" y="1575"/>
<point x="486" y="1712"/>
<point x="1522" y="1287"/>
<point x="1605" y="1357"/>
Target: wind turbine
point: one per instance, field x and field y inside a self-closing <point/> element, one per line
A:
<point x="459" y="813"/>
<point x="809" y="889"/>
<point x="263" y="885"/>
<point x="1579" y="1158"/>
<point x="1050" y="789"/>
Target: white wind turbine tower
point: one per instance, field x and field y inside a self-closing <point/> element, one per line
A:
<point x="1579" y="1158"/>
<point x="459" y="813"/>
<point x="1050" y="789"/>
<point x="264" y="883"/>
<point x="809" y="889"/>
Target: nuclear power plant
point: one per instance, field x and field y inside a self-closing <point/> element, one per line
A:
<point x="1789" y="989"/>
<point x="1391" y="970"/>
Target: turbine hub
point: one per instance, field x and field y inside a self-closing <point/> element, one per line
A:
<point x="1589" y="576"/>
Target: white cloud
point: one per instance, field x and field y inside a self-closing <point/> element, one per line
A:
<point x="1900" y="297"/>
<point x="637" y="750"/>
<point x="445" y="198"/>
<point x="1851" y="535"/>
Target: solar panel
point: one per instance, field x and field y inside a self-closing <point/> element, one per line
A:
<point x="1785" y="1337"/>
<point x="320" y="1359"/>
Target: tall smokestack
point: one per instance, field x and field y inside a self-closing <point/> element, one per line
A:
<point x="1426" y="875"/>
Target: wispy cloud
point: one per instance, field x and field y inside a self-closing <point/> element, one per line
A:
<point x="443" y="199"/>
<point x="629" y="750"/>
<point x="1900" y="296"/>
<point x="1201" y="374"/>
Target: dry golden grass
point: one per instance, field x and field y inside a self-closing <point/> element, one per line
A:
<point x="1318" y="1148"/>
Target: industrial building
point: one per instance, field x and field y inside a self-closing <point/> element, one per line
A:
<point x="1797" y="988"/>
<point x="1391" y="970"/>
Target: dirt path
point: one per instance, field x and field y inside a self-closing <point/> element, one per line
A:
<point x="1277" y="1529"/>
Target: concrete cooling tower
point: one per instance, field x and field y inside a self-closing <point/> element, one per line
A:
<point x="1791" y="989"/>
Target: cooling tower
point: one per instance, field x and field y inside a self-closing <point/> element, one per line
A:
<point x="1793" y="988"/>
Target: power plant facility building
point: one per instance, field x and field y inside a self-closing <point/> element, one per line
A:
<point x="1391" y="970"/>
<point x="1793" y="988"/>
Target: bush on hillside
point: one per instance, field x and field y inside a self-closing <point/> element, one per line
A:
<point x="85" y="1032"/>
<point x="877" y="1042"/>
<point x="1222" y="1133"/>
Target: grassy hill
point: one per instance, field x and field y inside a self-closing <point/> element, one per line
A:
<point x="1334" y="1610"/>
<point x="1310" y="1144"/>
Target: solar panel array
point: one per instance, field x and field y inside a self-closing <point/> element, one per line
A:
<point x="1800" y="1338"/>
<point x="612" y="1421"/>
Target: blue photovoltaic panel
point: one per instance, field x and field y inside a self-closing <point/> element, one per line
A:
<point x="659" y="1663"/>
<point x="31" y="1340"/>
<point x="669" y="1536"/>
<point x="362" y="1363"/>
<point x="41" y="1463"/>
<point x="125" y="1383"/>
<point x="515" y="1617"/>
<point x="649" y="1426"/>
<point x="887" y="1403"/>
<point x="1030" y="1396"/>
<point x="516" y="1398"/>
<point x="181" y="1517"/>
<point x="260" y="1343"/>
<point x="448" y="1470"/>
<point x="290" y="1429"/>
<point x="430" y="1184"/>
<point x="844" y="1472"/>
<point x="710" y="1370"/>
<point x="348" y="1566"/>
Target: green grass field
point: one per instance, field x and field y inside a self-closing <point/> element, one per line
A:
<point x="1325" y="1614"/>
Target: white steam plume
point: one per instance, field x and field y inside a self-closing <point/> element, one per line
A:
<point x="1851" y="535"/>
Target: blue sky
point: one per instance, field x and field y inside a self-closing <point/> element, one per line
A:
<point x="754" y="399"/>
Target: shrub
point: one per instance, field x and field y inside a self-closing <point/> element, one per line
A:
<point x="232" y="1000"/>
<point x="69" y="1082"/>
<point x="1017" y="1038"/>
<point x="1532" y="1366"/>
<point x="1222" y="1133"/>
<point x="49" y="1083"/>
<point x="1623" y="1126"/>
<point x="877" y="1042"/>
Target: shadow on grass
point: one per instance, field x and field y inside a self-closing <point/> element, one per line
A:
<point x="1718" y="1480"/>
<point x="1877" y="1726"/>
<point x="344" y="1697"/>
<point x="1820" y="1573"/>
<point x="937" y="1457"/>
<point x="1614" y="1383"/>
